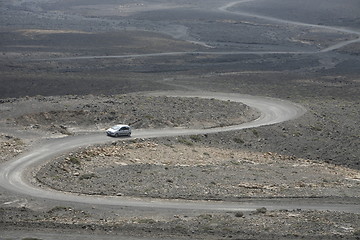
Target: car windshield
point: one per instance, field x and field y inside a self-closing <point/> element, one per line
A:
<point x="115" y="127"/>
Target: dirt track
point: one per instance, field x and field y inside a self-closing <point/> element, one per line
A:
<point x="326" y="83"/>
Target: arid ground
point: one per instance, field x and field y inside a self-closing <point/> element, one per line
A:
<point x="72" y="68"/>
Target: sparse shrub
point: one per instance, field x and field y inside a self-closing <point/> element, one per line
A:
<point x="235" y="162"/>
<point x="195" y="138"/>
<point x="185" y="141"/>
<point x="87" y="176"/>
<point x="315" y="128"/>
<point x="56" y="178"/>
<point x="297" y="134"/>
<point x="179" y="228"/>
<point x="262" y="210"/>
<point x="149" y="117"/>
<point x="357" y="232"/>
<point x="169" y="145"/>
<point x="18" y="141"/>
<point x="255" y="132"/>
<point x="239" y="214"/>
<point x="238" y="140"/>
<point x="74" y="160"/>
<point x="57" y="209"/>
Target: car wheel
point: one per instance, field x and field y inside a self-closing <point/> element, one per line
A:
<point x="117" y="135"/>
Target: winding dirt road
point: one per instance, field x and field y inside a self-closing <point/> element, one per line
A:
<point x="16" y="175"/>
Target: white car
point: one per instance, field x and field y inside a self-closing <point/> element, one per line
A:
<point x="119" y="130"/>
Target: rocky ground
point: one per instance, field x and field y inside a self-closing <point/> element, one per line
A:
<point x="184" y="169"/>
<point x="259" y="224"/>
<point x="74" y="113"/>
<point x="10" y="147"/>
<point x="213" y="167"/>
<point x="315" y="156"/>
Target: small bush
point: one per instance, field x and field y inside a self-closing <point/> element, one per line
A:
<point x="262" y="210"/>
<point x="235" y="162"/>
<point x="239" y="214"/>
<point x="146" y="221"/>
<point x="195" y="138"/>
<point x="149" y="117"/>
<point x="316" y="128"/>
<point x="74" y="160"/>
<point x="255" y="132"/>
<point x="239" y="140"/>
<point x="87" y="176"/>
<point x="58" y="209"/>
<point x="357" y="232"/>
<point x="18" y="141"/>
<point x="297" y="134"/>
<point x="185" y="141"/>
